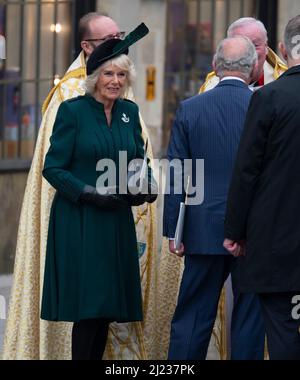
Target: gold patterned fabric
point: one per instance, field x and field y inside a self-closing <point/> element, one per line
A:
<point x="26" y="335"/>
<point x="169" y="278"/>
<point x="171" y="268"/>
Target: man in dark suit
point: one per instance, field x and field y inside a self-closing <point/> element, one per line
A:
<point x="208" y="127"/>
<point x="263" y="214"/>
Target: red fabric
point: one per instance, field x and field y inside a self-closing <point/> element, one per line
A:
<point x="261" y="80"/>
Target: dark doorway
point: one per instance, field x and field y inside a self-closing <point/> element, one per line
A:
<point x="81" y="8"/>
<point x="268" y="13"/>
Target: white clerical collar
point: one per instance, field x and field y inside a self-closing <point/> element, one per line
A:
<point x="254" y="88"/>
<point x="233" y="78"/>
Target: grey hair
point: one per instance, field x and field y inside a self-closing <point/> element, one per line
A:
<point x="244" y="21"/>
<point x="123" y="62"/>
<point x="242" y="63"/>
<point x="292" y="38"/>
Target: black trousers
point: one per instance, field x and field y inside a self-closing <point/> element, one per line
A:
<point x="283" y="335"/>
<point x="89" y="337"/>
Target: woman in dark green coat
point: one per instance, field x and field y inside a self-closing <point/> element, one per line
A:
<point x="92" y="270"/>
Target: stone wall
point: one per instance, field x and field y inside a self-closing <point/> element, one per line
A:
<point x="287" y="10"/>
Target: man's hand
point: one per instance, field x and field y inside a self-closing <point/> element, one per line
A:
<point x="235" y="248"/>
<point x="179" y="252"/>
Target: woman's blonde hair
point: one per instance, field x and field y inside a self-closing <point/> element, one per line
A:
<point x="123" y="62"/>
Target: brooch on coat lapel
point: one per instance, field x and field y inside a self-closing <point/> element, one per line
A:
<point x="125" y="118"/>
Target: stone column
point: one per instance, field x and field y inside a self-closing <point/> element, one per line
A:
<point x="287" y="10"/>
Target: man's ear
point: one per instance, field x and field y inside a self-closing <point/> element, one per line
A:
<point x="283" y="50"/>
<point x="86" y="47"/>
<point x="214" y="66"/>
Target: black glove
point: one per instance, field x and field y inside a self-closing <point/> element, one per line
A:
<point x="107" y="202"/>
<point x="140" y="198"/>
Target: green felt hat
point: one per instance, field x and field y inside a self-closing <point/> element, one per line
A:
<point x="114" y="47"/>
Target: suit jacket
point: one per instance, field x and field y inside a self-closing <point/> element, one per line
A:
<point x="207" y="127"/>
<point x="264" y="199"/>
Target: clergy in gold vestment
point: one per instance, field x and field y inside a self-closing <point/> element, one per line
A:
<point x="28" y="337"/>
<point x="171" y="266"/>
<point x="272" y="69"/>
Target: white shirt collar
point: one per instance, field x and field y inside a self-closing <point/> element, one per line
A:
<point x="233" y="78"/>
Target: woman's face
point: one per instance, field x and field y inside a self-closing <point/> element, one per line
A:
<point x="110" y="83"/>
